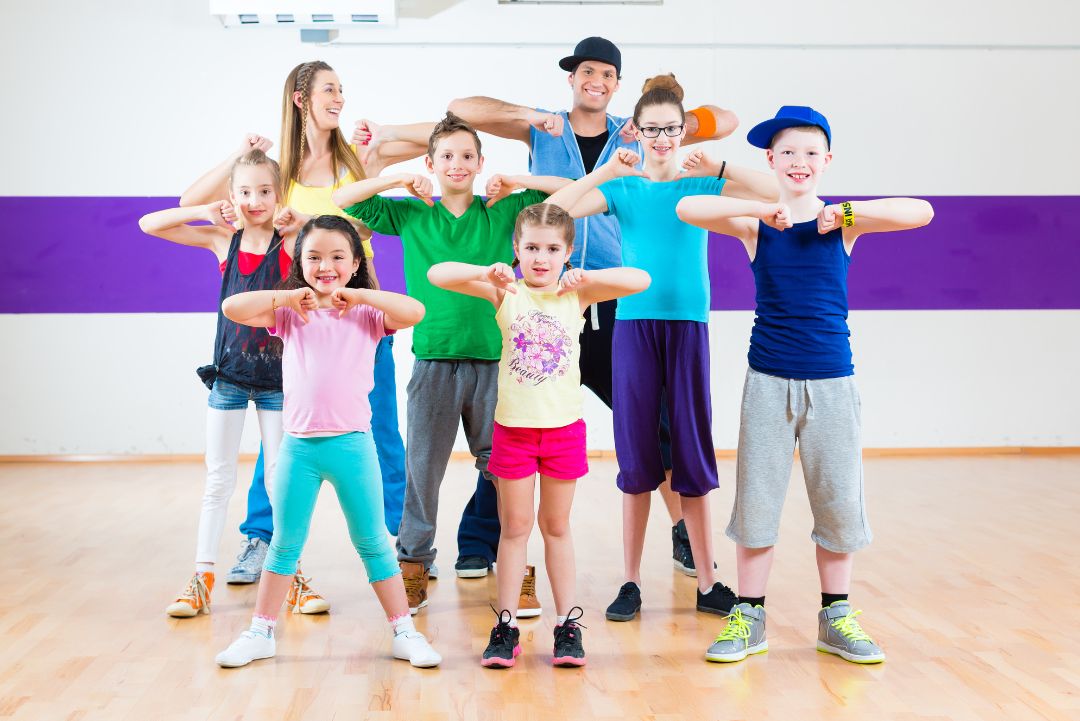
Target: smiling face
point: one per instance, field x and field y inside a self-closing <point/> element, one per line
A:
<point x="455" y="162"/>
<point x="663" y="148"/>
<point x="593" y="83"/>
<point x="799" y="157"/>
<point x="328" y="260"/>
<point x="254" y="193"/>
<point x="326" y="100"/>
<point x="541" y="251"/>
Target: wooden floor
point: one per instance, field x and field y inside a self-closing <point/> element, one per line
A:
<point x="971" y="586"/>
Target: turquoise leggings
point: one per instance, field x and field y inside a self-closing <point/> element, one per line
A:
<point x="351" y="465"/>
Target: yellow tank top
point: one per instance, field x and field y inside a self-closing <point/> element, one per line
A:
<point x="539" y="377"/>
<point x="317" y="200"/>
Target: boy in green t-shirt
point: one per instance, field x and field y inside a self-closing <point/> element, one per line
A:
<point x="458" y="344"/>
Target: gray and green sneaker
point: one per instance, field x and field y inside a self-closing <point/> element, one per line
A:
<point x="249" y="563"/>
<point x="840" y="633"/>
<point x="744" y="635"/>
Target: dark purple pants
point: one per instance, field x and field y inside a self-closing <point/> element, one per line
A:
<point x="650" y="359"/>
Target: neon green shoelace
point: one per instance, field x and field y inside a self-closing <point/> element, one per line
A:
<point x="850" y="629"/>
<point x="737" y="627"/>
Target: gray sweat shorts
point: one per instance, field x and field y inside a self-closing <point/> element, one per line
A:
<point x="823" y="417"/>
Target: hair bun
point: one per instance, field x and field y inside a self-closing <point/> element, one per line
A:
<point x="664" y="82"/>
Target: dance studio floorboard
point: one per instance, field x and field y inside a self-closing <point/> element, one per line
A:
<point x="971" y="586"/>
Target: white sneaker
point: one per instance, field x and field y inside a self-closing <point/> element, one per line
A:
<point x="413" y="647"/>
<point x="249" y="647"/>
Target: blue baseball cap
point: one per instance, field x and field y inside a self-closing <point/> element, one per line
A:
<point x="789" y="116"/>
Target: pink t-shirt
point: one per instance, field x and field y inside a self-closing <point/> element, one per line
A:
<point x="327" y="368"/>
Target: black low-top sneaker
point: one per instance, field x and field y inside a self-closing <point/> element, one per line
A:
<point x="503" y="646"/>
<point x="626" y="604"/>
<point x="472" y="567"/>
<point x="568" y="649"/>
<point x="719" y="600"/>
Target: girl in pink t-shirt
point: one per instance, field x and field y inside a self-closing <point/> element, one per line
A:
<point x="330" y="320"/>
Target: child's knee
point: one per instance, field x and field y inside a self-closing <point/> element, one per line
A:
<point x="516" y="525"/>
<point x="552" y="526"/>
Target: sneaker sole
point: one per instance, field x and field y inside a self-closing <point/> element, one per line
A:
<point x="413" y="610"/>
<point x="826" y="648"/>
<point x="620" y="616"/>
<point x="471" y="572"/>
<point x="498" y="662"/>
<point x="733" y="658"/>
<point x="688" y="570"/>
<point x="187" y="613"/>
<point x="716" y="611"/>
<point x="568" y="662"/>
<point x="240" y="579"/>
<point x="529" y="612"/>
<point x="245" y="663"/>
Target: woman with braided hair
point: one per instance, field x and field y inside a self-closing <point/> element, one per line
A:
<point x="316" y="159"/>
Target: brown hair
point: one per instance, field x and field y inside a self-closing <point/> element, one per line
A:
<point x="360" y="279"/>
<point x="545" y="215"/>
<point x="294" y="127"/>
<point x="809" y="128"/>
<point x="448" y="126"/>
<point x="660" y="90"/>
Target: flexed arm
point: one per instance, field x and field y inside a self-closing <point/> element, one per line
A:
<point x="505" y="120"/>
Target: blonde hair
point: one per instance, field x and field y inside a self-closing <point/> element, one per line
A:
<point x="294" y="127"/>
<point x="252" y="159"/>
<point x="545" y="215"/>
<point x="660" y="90"/>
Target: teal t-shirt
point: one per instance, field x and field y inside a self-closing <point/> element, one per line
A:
<point x="455" y="326"/>
<point x="674" y="253"/>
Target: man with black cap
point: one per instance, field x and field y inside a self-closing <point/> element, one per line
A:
<point x="592" y="136"/>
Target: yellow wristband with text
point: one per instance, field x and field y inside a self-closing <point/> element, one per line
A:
<point x="849" y="215"/>
<point x="706" y="122"/>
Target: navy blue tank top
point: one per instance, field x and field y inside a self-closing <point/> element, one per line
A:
<point x="242" y="354"/>
<point x="801" y="326"/>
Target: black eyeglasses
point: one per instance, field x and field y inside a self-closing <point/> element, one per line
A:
<point x="651" y="131"/>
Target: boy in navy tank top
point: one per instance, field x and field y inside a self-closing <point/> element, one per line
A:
<point x="800" y="386"/>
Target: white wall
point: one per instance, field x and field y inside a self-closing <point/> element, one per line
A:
<point x="135" y="98"/>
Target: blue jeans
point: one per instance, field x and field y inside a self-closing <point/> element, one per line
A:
<point x="228" y="396"/>
<point x="391" y="451"/>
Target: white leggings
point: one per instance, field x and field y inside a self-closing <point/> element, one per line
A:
<point x="223" y="431"/>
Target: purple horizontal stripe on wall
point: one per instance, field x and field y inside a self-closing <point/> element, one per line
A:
<point x="87" y="255"/>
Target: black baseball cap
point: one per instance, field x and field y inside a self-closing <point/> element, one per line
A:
<point x="594" y="48"/>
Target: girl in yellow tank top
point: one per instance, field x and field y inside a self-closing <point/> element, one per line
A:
<point x="538" y="425"/>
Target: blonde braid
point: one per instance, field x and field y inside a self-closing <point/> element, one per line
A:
<point x="304" y="81"/>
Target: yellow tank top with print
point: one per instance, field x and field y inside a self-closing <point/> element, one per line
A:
<point x="539" y="376"/>
<point x="317" y="200"/>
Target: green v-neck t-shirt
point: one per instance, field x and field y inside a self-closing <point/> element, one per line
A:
<point x="455" y="326"/>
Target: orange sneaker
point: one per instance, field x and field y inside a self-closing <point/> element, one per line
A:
<point x="528" y="604"/>
<point x="302" y="599"/>
<point x="196" y="597"/>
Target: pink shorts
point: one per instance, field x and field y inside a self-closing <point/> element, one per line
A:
<point x="554" y="452"/>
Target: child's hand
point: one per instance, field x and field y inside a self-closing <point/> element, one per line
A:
<point x="498" y="187"/>
<point x="700" y="165"/>
<point x="254" y="141"/>
<point x="572" y="280"/>
<point x="287" y="221"/>
<point x="830" y="218"/>
<point x="222" y="214"/>
<point x="344" y="298"/>
<point x="502" y="276"/>
<point x="628" y="132"/>
<point x="775" y="215"/>
<point x="301" y="300"/>
<point x="550" y="123"/>
<point x="624" y="164"/>
<point x="419" y="186"/>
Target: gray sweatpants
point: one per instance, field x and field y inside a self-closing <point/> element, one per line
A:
<point x="823" y="416"/>
<point x="440" y="393"/>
